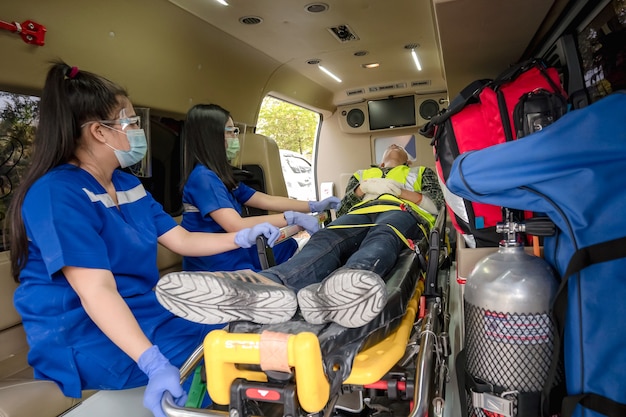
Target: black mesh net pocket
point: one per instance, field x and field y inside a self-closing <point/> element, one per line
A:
<point x="508" y="352"/>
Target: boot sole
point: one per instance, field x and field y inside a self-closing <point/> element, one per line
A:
<point x="351" y="298"/>
<point x="208" y="299"/>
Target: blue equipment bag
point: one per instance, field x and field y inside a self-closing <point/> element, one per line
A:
<point x="574" y="172"/>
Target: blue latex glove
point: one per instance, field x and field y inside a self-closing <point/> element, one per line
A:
<point x="325" y="204"/>
<point x="246" y="238"/>
<point x="162" y="376"/>
<point x="309" y="223"/>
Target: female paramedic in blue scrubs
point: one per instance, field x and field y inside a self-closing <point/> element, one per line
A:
<point x="84" y="245"/>
<point x="213" y="199"/>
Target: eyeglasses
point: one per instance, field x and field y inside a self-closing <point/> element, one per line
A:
<point x="124" y="122"/>
<point x="231" y="130"/>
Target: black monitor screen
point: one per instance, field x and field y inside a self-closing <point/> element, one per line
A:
<point x="391" y="112"/>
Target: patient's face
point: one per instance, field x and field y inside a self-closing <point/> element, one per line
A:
<point x="396" y="153"/>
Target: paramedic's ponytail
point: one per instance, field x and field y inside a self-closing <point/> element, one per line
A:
<point x="70" y="98"/>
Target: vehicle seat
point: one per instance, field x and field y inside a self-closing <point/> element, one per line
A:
<point x="261" y="167"/>
<point x="344" y="178"/>
<point x="168" y="261"/>
<point x="21" y="395"/>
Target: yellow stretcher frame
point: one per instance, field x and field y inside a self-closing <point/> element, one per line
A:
<point x="223" y="351"/>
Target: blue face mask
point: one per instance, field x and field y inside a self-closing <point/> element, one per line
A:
<point x="138" y="147"/>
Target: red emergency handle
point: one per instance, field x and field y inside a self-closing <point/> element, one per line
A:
<point x="31" y="32"/>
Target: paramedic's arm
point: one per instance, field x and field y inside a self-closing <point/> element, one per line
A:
<point x="231" y="221"/>
<point x="277" y="203"/>
<point x="186" y="243"/>
<point x="106" y="307"/>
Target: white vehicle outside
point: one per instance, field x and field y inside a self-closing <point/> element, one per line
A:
<point x="298" y="174"/>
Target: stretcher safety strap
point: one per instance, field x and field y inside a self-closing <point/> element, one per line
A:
<point x="386" y="202"/>
<point x="408" y="242"/>
<point x="379" y="208"/>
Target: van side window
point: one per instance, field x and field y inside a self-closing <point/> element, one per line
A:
<point x="602" y="47"/>
<point x="295" y="131"/>
<point x="18" y="119"/>
<point x="294" y="128"/>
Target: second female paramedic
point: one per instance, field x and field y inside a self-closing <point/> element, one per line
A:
<point x="213" y="199"/>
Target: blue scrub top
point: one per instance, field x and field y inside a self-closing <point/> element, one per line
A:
<point x="70" y="220"/>
<point x="205" y="191"/>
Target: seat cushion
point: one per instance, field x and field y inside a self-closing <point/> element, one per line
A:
<point x="27" y="397"/>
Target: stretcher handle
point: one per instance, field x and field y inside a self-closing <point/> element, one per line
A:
<point x="170" y="409"/>
<point x="169" y="406"/>
<point x="434" y="251"/>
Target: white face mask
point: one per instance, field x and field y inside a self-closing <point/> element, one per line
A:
<point x="138" y="147"/>
<point x="232" y="148"/>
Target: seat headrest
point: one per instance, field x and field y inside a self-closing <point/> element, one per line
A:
<point x="263" y="151"/>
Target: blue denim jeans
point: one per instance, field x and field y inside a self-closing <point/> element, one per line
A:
<point x="374" y="248"/>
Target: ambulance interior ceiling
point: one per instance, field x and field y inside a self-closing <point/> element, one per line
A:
<point x="457" y="41"/>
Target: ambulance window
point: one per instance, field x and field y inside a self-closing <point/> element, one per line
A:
<point x="18" y="119"/>
<point x="602" y="47"/>
<point x="294" y="128"/>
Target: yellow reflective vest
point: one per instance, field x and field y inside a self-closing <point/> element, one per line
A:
<point x="410" y="177"/>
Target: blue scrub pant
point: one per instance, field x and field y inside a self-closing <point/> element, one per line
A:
<point x="176" y="338"/>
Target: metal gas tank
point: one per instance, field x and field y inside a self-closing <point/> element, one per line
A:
<point x="509" y="333"/>
<point x="511" y="280"/>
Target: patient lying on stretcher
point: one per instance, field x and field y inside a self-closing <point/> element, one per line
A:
<point x="336" y="277"/>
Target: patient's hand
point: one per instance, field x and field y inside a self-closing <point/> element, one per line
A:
<point x="377" y="186"/>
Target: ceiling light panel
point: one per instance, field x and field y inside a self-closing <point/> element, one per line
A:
<point x="330" y="74"/>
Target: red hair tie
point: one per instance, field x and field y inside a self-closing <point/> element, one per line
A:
<point x="73" y="72"/>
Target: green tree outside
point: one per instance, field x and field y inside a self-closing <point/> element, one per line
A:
<point x="18" y="116"/>
<point x="293" y="127"/>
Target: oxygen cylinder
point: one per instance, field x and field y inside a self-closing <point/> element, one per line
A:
<point x="509" y="334"/>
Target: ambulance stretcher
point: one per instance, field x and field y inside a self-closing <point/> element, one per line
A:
<point x="396" y="365"/>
